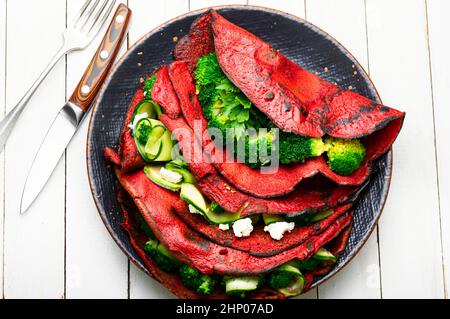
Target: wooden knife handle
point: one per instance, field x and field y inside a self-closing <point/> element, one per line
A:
<point x="87" y="89"/>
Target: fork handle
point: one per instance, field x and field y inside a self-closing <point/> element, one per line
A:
<point x="90" y="83"/>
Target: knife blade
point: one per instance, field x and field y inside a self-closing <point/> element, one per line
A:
<point x="73" y="112"/>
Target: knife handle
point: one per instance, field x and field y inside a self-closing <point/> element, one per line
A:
<point x="87" y="89"/>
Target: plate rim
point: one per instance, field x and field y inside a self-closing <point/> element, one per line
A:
<point x="119" y="62"/>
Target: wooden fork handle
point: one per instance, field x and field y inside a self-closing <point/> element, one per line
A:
<point x="87" y="89"/>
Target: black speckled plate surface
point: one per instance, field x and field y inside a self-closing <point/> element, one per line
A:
<point x="299" y="40"/>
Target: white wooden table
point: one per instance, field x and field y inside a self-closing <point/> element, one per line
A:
<point x="61" y="249"/>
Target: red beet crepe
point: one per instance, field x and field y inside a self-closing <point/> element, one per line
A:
<point x="156" y="206"/>
<point x="316" y="107"/>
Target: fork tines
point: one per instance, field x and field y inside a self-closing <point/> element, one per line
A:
<point x="93" y="14"/>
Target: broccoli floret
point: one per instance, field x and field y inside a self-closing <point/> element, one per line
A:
<point x="287" y="279"/>
<point x="258" y="149"/>
<point x="208" y="71"/>
<point x="148" y="86"/>
<point x="143" y="132"/>
<point x="282" y="277"/>
<point x="296" y="148"/>
<point x="206" y="95"/>
<point x="197" y="281"/>
<point x="207" y="285"/>
<point x="344" y="156"/>
<point x="163" y="257"/>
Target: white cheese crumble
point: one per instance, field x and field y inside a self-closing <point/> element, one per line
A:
<point x="277" y="230"/>
<point x="137" y="118"/>
<point x="224" y="227"/>
<point x="242" y="227"/>
<point x="194" y="210"/>
<point x="170" y="176"/>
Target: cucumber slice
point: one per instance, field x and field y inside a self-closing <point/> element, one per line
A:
<point x="157" y="108"/>
<point x="166" y="144"/>
<point x="290" y="272"/>
<point x="145" y="106"/>
<point x="240" y="286"/>
<point x="193" y="196"/>
<point x="141" y="126"/>
<point x="179" y="163"/>
<point x="270" y="219"/>
<point x="323" y="254"/>
<point x="154" y="145"/>
<point x="295" y="288"/>
<point x="315" y="218"/>
<point x="187" y="175"/>
<point x="221" y="217"/>
<point x="153" y="172"/>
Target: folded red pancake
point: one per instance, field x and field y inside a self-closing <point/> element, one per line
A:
<point x="156" y="206"/>
<point x="138" y="239"/>
<point x="293" y="98"/>
<point x="131" y="159"/>
<point x="172" y="281"/>
<point x="314" y="195"/>
<point x="259" y="243"/>
<point x="200" y="33"/>
<point x="316" y="106"/>
<point x="336" y="247"/>
<point x="164" y="92"/>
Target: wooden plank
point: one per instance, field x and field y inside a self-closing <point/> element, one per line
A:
<point x="296" y="8"/>
<point x="200" y="4"/>
<point x="410" y="243"/>
<point x="148" y="15"/>
<point x="2" y="111"/>
<point x="438" y="25"/>
<point x="34" y="243"/>
<point x="345" y="20"/>
<point x="95" y="266"/>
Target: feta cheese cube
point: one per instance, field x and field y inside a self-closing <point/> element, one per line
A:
<point x="277" y="230"/>
<point x="242" y="227"/>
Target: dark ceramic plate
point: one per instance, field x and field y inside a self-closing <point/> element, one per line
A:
<point x="299" y="40"/>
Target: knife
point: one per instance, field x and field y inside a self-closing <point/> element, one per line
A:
<point x="73" y="112"/>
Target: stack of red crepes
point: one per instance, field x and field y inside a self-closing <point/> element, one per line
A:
<point x="296" y="101"/>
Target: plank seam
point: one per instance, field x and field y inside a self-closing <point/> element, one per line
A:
<point x="4" y="155"/>
<point x="368" y="72"/>
<point x="435" y="145"/>
<point x="65" y="184"/>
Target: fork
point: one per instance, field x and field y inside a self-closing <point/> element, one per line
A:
<point x="78" y="35"/>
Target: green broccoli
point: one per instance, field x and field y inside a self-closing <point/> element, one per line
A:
<point x="148" y="86"/>
<point x="283" y="276"/>
<point x="258" y="149"/>
<point x="287" y="279"/>
<point x="163" y="257"/>
<point x="206" y="95"/>
<point x="296" y="148"/>
<point x="208" y="71"/>
<point x="143" y="131"/>
<point x="344" y="156"/>
<point x="226" y="107"/>
<point x="197" y="281"/>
